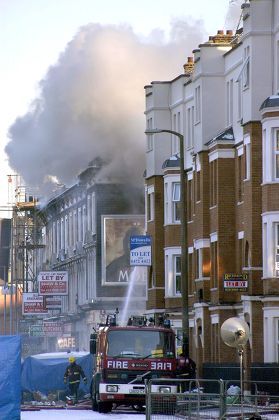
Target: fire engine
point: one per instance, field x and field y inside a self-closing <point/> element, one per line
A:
<point x="127" y="356"/>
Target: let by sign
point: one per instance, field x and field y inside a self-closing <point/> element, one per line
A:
<point x="53" y="283"/>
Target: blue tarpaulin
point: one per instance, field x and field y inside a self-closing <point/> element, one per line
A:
<point x="10" y="368"/>
<point x="45" y="372"/>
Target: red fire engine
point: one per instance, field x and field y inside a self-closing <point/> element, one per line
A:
<point x="126" y="356"/>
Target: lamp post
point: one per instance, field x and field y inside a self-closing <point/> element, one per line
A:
<point x="184" y="250"/>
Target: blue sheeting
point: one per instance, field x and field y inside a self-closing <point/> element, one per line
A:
<point x="10" y="368"/>
<point x="45" y="372"/>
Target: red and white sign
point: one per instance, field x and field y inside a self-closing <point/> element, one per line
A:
<point x="52" y="329"/>
<point x="53" y="302"/>
<point x="33" y="304"/>
<point x="53" y="283"/>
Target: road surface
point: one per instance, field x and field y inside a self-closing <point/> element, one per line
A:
<point x="65" y="414"/>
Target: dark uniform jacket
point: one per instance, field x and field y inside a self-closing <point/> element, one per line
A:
<point x="73" y="373"/>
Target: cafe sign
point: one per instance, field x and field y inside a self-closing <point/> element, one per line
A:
<point x="235" y="282"/>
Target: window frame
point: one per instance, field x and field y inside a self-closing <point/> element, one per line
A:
<point x="176" y="202"/>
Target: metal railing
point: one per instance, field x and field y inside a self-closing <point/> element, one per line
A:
<point x="211" y="399"/>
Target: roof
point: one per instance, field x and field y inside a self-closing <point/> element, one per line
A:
<point x="270" y="102"/>
<point x="226" y="135"/>
<point x="172" y="162"/>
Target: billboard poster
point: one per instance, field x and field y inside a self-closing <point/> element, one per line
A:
<point x="53" y="283"/>
<point x="33" y="304"/>
<point x="140" y="250"/>
<point x="116" y="233"/>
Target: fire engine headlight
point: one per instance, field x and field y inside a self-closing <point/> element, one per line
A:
<point x="112" y="388"/>
<point x="165" y="389"/>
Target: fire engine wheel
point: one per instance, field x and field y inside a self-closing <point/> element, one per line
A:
<point x="104" y="407"/>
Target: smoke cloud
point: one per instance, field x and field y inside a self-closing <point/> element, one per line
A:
<point x="233" y="14"/>
<point x="91" y="104"/>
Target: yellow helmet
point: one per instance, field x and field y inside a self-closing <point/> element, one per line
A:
<point x="72" y="359"/>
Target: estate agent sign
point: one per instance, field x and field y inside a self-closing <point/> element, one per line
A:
<point x="53" y="283"/>
<point x="235" y="282"/>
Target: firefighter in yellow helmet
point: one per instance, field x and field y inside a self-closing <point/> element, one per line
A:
<point x="73" y="373"/>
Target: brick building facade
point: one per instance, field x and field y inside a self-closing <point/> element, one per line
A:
<point x="226" y="106"/>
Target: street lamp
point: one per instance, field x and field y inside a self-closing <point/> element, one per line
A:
<point x="184" y="250"/>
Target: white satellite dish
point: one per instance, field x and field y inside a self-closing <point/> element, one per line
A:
<point x="235" y="332"/>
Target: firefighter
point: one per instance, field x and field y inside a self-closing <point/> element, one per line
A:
<point x="186" y="369"/>
<point x="73" y="373"/>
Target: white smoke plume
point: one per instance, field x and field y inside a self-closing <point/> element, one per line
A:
<point x="91" y="103"/>
<point x="233" y="17"/>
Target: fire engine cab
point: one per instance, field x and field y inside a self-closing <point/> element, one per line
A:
<point x="126" y="356"/>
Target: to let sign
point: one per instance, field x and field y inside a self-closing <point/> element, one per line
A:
<point x="33" y="304"/>
<point x="235" y="282"/>
<point x="140" y="250"/>
<point x="53" y="283"/>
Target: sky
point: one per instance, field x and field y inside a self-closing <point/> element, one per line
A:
<point x="66" y="65"/>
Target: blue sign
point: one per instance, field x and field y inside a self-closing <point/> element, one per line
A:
<point x="140" y="250"/>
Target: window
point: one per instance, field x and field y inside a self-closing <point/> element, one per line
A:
<point x="177" y="274"/>
<point x="230" y="102"/>
<point x="172" y="199"/>
<point x="214" y="264"/>
<point x="198" y="103"/>
<point x="276" y="155"/>
<point x="175" y="139"/>
<point x="213" y="183"/>
<point x="239" y="101"/>
<point x="189" y="128"/>
<point x="198" y="267"/>
<point x="190" y="273"/>
<point x="246" y="68"/>
<point x="79" y="232"/>
<point x="70" y="229"/>
<point x="75" y="228"/>
<point x="190" y="203"/>
<point x="93" y="207"/>
<point x="149" y="145"/>
<point x="166" y="201"/>
<point x="198" y="186"/>
<point x="89" y="212"/>
<point x="173" y="271"/>
<point x="150" y="205"/>
<point x="240" y="178"/>
<point x="247" y="152"/>
<point x="277" y="249"/>
<point x="58" y="236"/>
<point x="66" y="232"/>
<point x="176" y="202"/>
<point x="54" y="237"/>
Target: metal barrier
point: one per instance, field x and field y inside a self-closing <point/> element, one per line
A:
<point x="211" y="400"/>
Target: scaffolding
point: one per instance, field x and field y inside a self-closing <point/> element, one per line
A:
<point x="27" y="247"/>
